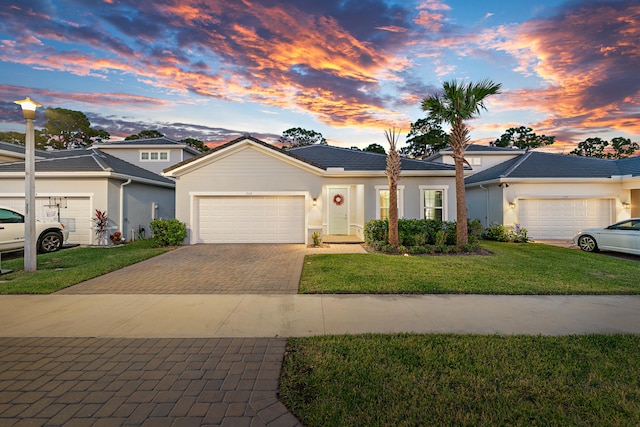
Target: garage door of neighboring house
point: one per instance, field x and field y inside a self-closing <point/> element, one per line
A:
<point x="562" y="218"/>
<point x="250" y="219"/>
<point x="76" y="217"/>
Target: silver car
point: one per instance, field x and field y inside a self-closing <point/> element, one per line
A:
<point x="50" y="234"/>
<point x="623" y="236"/>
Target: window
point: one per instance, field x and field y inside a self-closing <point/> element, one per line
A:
<point x="433" y="201"/>
<point x="382" y="201"/>
<point x="154" y="156"/>
<point x="10" y="217"/>
<point x="474" y="161"/>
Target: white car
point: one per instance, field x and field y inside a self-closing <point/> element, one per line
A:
<point x="623" y="236"/>
<point x="50" y="234"/>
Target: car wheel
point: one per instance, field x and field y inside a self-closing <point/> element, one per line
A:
<point x="50" y="241"/>
<point x="588" y="243"/>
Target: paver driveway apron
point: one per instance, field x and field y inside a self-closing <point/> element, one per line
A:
<point x="206" y="269"/>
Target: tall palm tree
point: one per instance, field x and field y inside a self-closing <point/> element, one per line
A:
<point x="456" y="103"/>
<point x="393" y="176"/>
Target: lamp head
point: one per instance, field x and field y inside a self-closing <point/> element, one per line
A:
<point x="28" y="108"/>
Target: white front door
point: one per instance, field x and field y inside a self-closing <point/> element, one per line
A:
<point x="338" y="211"/>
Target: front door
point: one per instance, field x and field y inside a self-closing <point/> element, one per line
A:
<point x="338" y="211"/>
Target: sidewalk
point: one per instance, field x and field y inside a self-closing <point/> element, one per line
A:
<point x="263" y="316"/>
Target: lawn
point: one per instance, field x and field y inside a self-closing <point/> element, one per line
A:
<point x="512" y="269"/>
<point x="65" y="268"/>
<point x="409" y="380"/>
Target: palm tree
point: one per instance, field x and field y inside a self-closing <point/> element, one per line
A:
<point x="393" y="176"/>
<point x="455" y="104"/>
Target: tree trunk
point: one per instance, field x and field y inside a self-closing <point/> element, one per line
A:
<point x="393" y="213"/>
<point x="462" y="231"/>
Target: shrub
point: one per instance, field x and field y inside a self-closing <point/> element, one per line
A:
<point x="500" y="233"/>
<point x="168" y="232"/>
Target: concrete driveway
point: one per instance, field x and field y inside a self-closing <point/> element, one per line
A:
<point x="206" y="269"/>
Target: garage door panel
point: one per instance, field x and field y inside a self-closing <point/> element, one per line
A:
<point x="255" y="219"/>
<point x="562" y="218"/>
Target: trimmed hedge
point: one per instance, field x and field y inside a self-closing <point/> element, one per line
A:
<point x="168" y="232"/>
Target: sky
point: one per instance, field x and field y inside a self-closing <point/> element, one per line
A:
<point x="219" y="69"/>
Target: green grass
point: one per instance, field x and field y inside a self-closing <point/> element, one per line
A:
<point x="510" y="269"/>
<point x="409" y="380"/>
<point x="65" y="268"/>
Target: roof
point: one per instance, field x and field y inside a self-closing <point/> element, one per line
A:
<point x="477" y="148"/>
<point x="354" y="160"/>
<point x="549" y="165"/>
<point x="326" y="156"/>
<point x="163" y="142"/>
<point x="18" y="149"/>
<point x="87" y="161"/>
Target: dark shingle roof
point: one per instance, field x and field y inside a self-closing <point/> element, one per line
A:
<point x="89" y="160"/>
<point x="19" y="149"/>
<point x="477" y="148"/>
<point x="549" y="165"/>
<point x="327" y="156"/>
<point x="353" y="160"/>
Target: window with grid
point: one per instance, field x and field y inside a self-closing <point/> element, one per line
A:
<point x="433" y="204"/>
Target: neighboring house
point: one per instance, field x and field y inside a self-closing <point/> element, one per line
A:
<point x="554" y="195"/>
<point x="83" y="180"/>
<point x="479" y="157"/>
<point x="10" y="152"/>
<point x="153" y="154"/>
<point x="250" y="191"/>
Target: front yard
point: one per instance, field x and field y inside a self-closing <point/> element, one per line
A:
<point x="510" y="269"/>
<point x="470" y="380"/>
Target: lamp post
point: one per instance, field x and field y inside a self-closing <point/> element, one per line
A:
<point x="29" y="113"/>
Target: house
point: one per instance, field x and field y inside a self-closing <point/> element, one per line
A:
<point x="249" y="191"/>
<point x="554" y="195"/>
<point x="153" y="154"/>
<point x="72" y="184"/>
<point x="478" y="157"/>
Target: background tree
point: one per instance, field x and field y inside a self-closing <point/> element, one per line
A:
<point x="457" y="103"/>
<point x="623" y="147"/>
<point x="425" y="138"/>
<point x="145" y="134"/>
<point x="619" y="148"/>
<point x="523" y="138"/>
<point x="591" y="147"/>
<point x="19" y="138"/>
<point x="394" y="165"/>
<point x="195" y="143"/>
<point x="298" y="137"/>
<point x="69" y="129"/>
<point x="374" y="148"/>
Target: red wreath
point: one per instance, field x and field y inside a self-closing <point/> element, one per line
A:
<point x="338" y="199"/>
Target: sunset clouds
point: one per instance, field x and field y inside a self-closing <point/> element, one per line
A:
<point x="341" y="64"/>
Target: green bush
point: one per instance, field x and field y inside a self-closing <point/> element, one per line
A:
<point x="168" y="232"/>
<point x="500" y="233"/>
<point x="419" y="235"/>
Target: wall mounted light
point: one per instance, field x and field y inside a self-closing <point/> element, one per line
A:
<point x="512" y="205"/>
<point x="315" y="201"/>
<point x="626" y="205"/>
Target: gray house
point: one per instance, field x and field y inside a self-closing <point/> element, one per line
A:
<point x="554" y="195"/>
<point x="250" y="191"/>
<point x="72" y="184"/>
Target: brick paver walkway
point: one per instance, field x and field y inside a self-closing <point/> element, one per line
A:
<point x="206" y="269"/>
<point x="148" y="382"/>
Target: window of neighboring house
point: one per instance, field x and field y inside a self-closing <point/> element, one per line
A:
<point x="433" y="202"/>
<point x="475" y="161"/>
<point x="154" y="156"/>
<point x="382" y="202"/>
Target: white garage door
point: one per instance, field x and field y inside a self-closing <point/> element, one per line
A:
<point x="76" y="217"/>
<point x="254" y="219"/>
<point x="561" y="218"/>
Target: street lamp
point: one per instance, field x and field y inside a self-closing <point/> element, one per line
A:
<point x="29" y="113"/>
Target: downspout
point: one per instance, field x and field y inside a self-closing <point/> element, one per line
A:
<point x="122" y="207"/>
<point x="486" y="222"/>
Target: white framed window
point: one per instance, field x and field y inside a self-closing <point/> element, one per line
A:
<point x="382" y="201"/>
<point x="474" y="161"/>
<point x="154" y="156"/>
<point x="433" y="202"/>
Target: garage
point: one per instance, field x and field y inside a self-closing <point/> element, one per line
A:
<point x="250" y="219"/>
<point x="561" y="218"/>
<point x="76" y="216"/>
